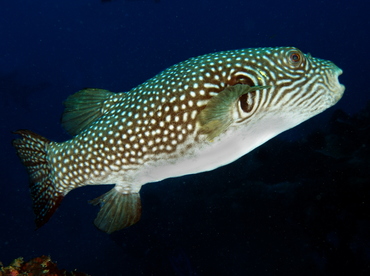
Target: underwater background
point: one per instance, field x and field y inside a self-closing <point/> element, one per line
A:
<point x="297" y="205"/>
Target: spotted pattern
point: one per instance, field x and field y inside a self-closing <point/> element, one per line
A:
<point x="151" y="121"/>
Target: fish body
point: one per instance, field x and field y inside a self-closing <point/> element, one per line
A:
<point x="195" y="116"/>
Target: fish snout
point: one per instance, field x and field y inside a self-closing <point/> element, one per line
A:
<point x="335" y="87"/>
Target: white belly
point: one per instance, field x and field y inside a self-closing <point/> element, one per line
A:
<point x="206" y="156"/>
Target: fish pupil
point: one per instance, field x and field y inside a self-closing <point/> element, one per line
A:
<point x="295" y="57"/>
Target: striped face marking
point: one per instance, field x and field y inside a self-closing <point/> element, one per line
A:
<point x="195" y="116"/>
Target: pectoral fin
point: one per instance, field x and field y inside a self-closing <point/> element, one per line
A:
<point x="216" y="117"/>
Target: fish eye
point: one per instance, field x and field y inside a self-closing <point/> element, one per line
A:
<point x="295" y="58"/>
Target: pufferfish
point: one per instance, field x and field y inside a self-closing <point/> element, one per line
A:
<point x="194" y="116"/>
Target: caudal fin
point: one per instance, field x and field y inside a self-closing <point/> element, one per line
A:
<point x="32" y="149"/>
<point x="117" y="210"/>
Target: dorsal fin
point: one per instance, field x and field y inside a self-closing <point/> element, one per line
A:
<point x="83" y="108"/>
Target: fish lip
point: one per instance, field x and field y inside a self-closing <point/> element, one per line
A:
<point x="337" y="88"/>
<point x="339" y="72"/>
<point x="342" y="86"/>
<point x="337" y="95"/>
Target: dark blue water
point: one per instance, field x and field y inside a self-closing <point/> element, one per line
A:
<point x="292" y="207"/>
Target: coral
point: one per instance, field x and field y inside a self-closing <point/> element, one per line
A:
<point x="39" y="266"/>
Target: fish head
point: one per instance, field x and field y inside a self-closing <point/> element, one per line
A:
<point x="275" y="89"/>
<point x="299" y="79"/>
<point x="325" y="74"/>
<point x="300" y="86"/>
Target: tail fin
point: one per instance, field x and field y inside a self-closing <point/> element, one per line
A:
<point x="117" y="210"/>
<point x="32" y="150"/>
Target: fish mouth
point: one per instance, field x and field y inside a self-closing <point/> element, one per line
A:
<point x="340" y="93"/>
<point x="335" y="87"/>
<point x="341" y="86"/>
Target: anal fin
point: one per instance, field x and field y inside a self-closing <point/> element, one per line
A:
<point x="117" y="211"/>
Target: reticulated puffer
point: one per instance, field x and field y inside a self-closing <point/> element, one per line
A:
<point x="195" y="116"/>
